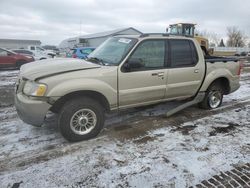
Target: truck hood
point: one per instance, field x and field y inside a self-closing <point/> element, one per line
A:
<point x="49" y="67"/>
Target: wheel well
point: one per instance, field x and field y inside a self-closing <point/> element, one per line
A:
<point x="91" y="94"/>
<point x="224" y="83"/>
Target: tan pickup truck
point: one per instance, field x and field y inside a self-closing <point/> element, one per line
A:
<point x="123" y="72"/>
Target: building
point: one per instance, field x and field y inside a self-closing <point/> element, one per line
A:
<point x="18" y="43"/>
<point x="94" y="40"/>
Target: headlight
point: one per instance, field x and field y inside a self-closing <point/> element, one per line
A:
<point x="34" y="89"/>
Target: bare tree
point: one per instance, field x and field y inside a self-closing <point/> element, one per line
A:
<point x="236" y="37"/>
<point x="212" y="37"/>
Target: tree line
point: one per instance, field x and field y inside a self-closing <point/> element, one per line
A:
<point x="235" y="38"/>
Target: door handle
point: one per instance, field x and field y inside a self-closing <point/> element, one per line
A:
<point x="159" y="74"/>
<point x="196" y="71"/>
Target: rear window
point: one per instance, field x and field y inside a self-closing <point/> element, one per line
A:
<point x="182" y="53"/>
<point x="23" y="52"/>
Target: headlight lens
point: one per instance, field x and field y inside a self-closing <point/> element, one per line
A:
<point x="34" y="89"/>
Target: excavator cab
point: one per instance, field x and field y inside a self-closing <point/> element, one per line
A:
<point x="187" y="29"/>
<point x="182" y="29"/>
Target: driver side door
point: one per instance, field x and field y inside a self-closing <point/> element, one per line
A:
<point x="142" y="78"/>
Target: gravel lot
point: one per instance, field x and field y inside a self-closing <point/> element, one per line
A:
<point x="138" y="148"/>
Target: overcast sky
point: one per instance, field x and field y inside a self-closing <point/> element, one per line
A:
<point x="51" y="21"/>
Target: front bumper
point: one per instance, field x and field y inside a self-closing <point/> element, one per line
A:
<point x="31" y="111"/>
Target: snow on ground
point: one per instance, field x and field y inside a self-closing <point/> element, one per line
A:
<point x="179" y="156"/>
<point x="8" y="77"/>
<point x="144" y="152"/>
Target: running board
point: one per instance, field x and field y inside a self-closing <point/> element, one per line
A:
<point x="200" y="96"/>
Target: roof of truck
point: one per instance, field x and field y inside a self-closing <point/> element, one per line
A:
<point x="154" y="35"/>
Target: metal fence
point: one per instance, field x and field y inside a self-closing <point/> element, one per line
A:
<point x="232" y="49"/>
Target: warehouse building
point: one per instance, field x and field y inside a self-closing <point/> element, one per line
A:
<point x="94" y="40"/>
<point x="18" y="43"/>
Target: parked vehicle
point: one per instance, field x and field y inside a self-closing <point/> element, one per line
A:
<point x="240" y="54"/>
<point x="39" y="51"/>
<point x="36" y="56"/>
<point x="11" y="59"/>
<point x="81" y="52"/>
<point x="123" y="72"/>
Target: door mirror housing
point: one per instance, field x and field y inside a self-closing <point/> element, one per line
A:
<point x="132" y="63"/>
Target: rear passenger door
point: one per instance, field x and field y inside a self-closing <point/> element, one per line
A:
<point x="186" y="70"/>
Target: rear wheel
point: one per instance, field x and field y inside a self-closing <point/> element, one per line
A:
<point x="81" y="119"/>
<point x="213" y="97"/>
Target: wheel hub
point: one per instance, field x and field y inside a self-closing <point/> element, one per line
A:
<point x="215" y="99"/>
<point x="83" y="121"/>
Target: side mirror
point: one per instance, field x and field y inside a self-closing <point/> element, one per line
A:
<point x="167" y="29"/>
<point x="135" y="63"/>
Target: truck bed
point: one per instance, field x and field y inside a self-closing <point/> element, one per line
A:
<point x="213" y="59"/>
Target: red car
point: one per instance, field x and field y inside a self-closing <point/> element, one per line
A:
<point x="12" y="59"/>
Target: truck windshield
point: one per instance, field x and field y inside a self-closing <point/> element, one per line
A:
<point x="41" y="49"/>
<point x="113" y="50"/>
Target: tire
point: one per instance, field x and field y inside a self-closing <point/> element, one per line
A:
<point x="20" y="63"/>
<point x="213" y="97"/>
<point x="81" y="119"/>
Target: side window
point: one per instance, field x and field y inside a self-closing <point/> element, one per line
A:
<point x="182" y="53"/>
<point x="150" y="53"/>
<point x="32" y="48"/>
<point x="26" y="52"/>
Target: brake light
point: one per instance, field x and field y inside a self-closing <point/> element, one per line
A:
<point x="240" y="67"/>
<point x="74" y="56"/>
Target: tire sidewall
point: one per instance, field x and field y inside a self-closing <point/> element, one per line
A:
<point x="70" y="108"/>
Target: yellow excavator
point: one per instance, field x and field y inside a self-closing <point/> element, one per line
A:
<point x="187" y="29"/>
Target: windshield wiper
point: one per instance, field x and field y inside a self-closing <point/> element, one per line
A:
<point x="95" y="60"/>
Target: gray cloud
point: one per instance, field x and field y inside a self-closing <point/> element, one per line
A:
<point x="53" y="21"/>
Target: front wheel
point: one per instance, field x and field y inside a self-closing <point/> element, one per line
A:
<point x="81" y="119"/>
<point x="213" y="97"/>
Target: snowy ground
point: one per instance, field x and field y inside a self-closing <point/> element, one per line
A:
<point x="138" y="148"/>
